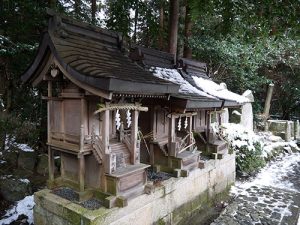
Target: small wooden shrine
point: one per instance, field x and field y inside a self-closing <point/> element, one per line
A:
<point x="111" y="107"/>
<point x="94" y="99"/>
<point x="181" y="125"/>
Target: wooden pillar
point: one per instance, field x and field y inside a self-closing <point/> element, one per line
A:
<point x="190" y="131"/>
<point x="81" y="169"/>
<point x="62" y="128"/>
<point x="62" y="166"/>
<point x="105" y="131"/>
<point x="84" y="115"/>
<point x="50" y="150"/>
<point x="51" y="163"/>
<point x="49" y="104"/>
<point x="154" y="123"/>
<point x="171" y="136"/>
<point x="134" y="136"/>
<point x="208" y="126"/>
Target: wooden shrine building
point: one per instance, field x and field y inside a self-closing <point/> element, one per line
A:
<point x="111" y="107"/>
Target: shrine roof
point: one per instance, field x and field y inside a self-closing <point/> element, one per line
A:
<point x="94" y="56"/>
<point x="191" y="75"/>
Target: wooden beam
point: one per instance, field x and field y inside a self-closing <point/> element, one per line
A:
<point x="43" y="74"/>
<point x="134" y="131"/>
<point x="49" y="104"/>
<point x="105" y="131"/>
<point x="81" y="173"/>
<point x="127" y="106"/>
<point x="51" y="163"/>
<point x="95" y="91"/>
<point x="171" y="135"/>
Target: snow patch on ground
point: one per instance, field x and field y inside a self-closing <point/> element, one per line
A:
<point x="274" y="174"/>
<point x="26" y="181"/>
<point x="218" y="90"/>
<point x="11" y="142"/>
<point x="24" y="206"/>
<point x="174" y="76"/>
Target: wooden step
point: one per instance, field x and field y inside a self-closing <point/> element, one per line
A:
<point x="122" y="154"/>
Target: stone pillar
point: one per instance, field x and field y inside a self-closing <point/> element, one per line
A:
<point x="287" y="131"/>
<point x="135" y="159"/>
<point x="171" y="136"/>
<point x="268" y="102"/>
<point x="297" y="129"/>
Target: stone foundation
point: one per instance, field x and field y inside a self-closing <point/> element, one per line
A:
<point x="166" y="203"/>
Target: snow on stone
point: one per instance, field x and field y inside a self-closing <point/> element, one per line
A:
<point x="236" y="113"/>
<point x="239" y="136"/>
<point x="26" y="181"/>
<point x="11" y="141"/>
<point x="218" y="90"/>
<point x="2" y="161"/>
<point x="25" y="148"/>
<point x="173" y="76"/>
<point x="24" y="206"/>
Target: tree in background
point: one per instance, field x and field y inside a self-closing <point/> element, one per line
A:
<point x="246" y="44"/>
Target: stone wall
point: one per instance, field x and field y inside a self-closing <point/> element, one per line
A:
<point x="288" y="130"/>
<point x="168" y="203"/>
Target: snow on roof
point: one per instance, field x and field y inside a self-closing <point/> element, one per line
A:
<point x="172" y="75"/>
<point x="218" y="90"/>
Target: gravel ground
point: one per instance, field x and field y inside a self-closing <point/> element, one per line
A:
<point x="92" y="204"/>
<point x="66" y="193"/>
<point x="157" y="176"/>
<point x="72" y="196"/>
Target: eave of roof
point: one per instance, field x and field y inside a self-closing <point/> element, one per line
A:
<point x="139" y="81"/>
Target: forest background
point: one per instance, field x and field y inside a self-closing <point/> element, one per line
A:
<point x="246" y="43"/>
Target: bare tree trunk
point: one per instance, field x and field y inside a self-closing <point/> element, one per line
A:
<point x="187" y="52"/>
<point x="52" y="4"/>
<point x="161" y="27"/>
<point x="173" y="26"/>
<point x="94" y="12"/>
<point x="77" y="7"/>
<point x="135" y="20"/>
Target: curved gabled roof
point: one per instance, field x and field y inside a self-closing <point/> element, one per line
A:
<point x="95" y="57"/>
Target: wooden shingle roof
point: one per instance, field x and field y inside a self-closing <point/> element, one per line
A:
<point x="95" y="57"/>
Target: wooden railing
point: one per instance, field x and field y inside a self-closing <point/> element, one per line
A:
<point x="97" y="146"/>
<point x="125" y="137"/>
<point x="68" y="138"/>
<point x="187" y="142"/>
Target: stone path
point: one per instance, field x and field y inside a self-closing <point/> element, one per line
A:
<point x="272" y="198"/>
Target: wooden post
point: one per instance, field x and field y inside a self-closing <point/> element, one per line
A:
<point x="81" y="173"/>
<point x="171" y="136"/>
<point x="81" y="142"/>
<point x="208" y="126"/>
<point x="50" y="151"/>
<point x="62" y="166"/>
<point x="134" y="132"/>
<point x="49" y="103"/>
<point x="51" y="163"/>
<point x="268" y="102"/>
<point x="190" y="131"/>
<point x="84" y="115"/>
<point x="105" y="131"/>
<point x="63" y="120"/>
